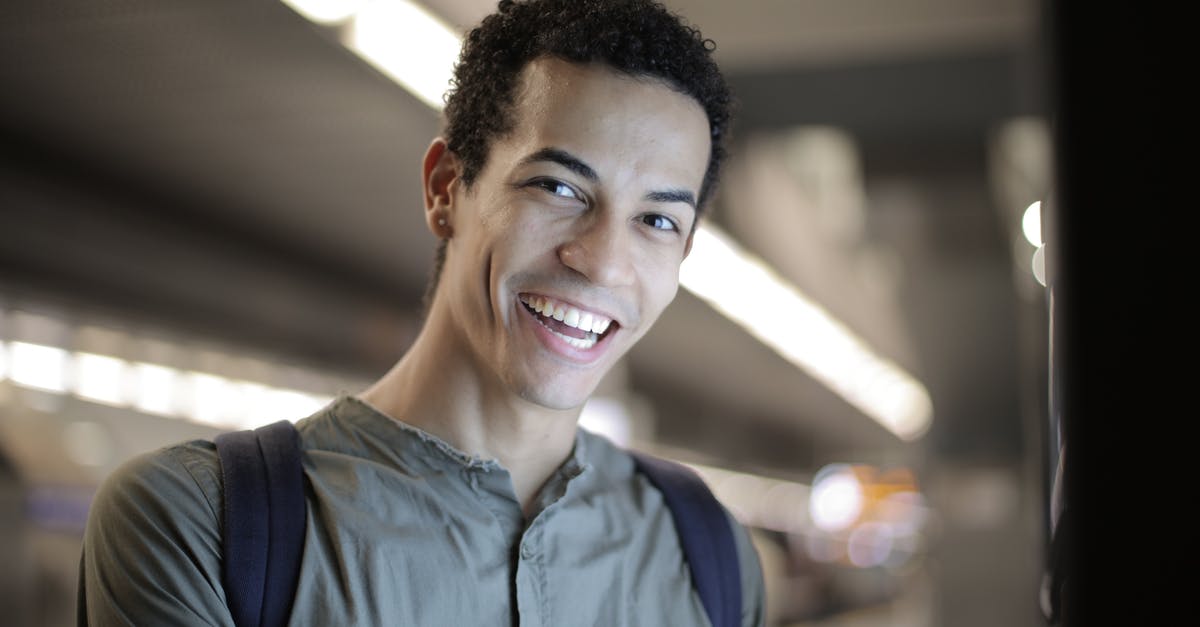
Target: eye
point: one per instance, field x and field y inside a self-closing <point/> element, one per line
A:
<point x="659" y="222"/>
<point x="557" y="188"/>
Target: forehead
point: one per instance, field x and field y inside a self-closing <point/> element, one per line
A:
<point x="609" y="119"/>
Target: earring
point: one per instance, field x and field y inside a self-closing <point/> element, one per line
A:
<point x="444" y="230"/>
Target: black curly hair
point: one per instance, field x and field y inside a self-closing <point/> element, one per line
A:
<point x="637" y="37"/>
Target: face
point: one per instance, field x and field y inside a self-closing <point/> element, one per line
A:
<point x="566" y="248"/>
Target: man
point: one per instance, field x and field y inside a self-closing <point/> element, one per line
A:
<point x="582" y="141"/>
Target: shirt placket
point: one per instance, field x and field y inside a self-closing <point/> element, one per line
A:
<point x="531" y="578"/>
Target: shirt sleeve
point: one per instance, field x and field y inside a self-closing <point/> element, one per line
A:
<point x="753" y="589"/>
<point x="152" y="547"/>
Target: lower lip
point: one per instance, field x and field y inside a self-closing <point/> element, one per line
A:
<point x="559" y="346"/>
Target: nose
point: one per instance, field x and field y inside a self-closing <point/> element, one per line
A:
<point x="601" y="252"/>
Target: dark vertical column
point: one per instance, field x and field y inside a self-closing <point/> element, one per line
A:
<point x="1113" y="389"/>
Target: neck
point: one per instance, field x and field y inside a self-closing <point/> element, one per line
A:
<point x="439" y="387"/>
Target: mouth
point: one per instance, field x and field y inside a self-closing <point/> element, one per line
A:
<point x="580" y="328"/>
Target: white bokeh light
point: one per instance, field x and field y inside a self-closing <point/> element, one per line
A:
<point x="1031" y="223"/>
<point x="836" y="500"/>
<point x="1038" y="263"/>
<point x="870" y="544"/>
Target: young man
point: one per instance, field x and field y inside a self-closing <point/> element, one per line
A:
<point x="582" y="141"/>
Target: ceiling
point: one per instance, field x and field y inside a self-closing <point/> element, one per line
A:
<point x="227" y="169"/>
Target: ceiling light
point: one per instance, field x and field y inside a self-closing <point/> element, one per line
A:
<point x="408" y="44"/>
<point x="38" y="366"/>
<point x="291" y="405"/>
<point x="213" y="399"/>
<point x="155" y="391"/>
<point x="100" y="378"/>
<point x="326" y="11"/>
<point x="745" y="289"/>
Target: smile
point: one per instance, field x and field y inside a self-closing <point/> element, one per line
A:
<point x="579" y="328"/>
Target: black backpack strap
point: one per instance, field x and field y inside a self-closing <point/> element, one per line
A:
<point x="705" y="535"/>
<point x="265" y="520"/>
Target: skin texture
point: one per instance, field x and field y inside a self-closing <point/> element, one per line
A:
<point x="585" y="201"/>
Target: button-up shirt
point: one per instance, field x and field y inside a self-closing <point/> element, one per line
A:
<point x="404" y="529"/>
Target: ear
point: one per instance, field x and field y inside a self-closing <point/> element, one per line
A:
<point x="440" y="172"/>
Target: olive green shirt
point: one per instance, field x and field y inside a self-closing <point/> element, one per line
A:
<point x="404" y="530"/>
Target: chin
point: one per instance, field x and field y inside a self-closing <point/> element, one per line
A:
<point x="561" y="398"/>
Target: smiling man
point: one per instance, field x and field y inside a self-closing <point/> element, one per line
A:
<point x="583" y="138"/>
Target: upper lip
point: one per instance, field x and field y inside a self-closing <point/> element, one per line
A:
<point x="596" y="311"/>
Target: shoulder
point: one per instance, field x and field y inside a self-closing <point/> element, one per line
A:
<point x="171" y="494"/>
<point x="154" y="532"/>
<point x="166" y="478"/>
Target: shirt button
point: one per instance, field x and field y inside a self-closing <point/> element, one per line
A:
<point x="526" y="552"/>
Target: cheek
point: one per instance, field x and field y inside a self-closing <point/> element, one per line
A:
<point x="660" y="285"/>
<point x="498" y="213"/>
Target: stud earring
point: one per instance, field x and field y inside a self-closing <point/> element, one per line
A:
<point x="444" y="230"/>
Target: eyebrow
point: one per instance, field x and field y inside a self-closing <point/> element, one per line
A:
<point x="673" y="195"/>
<point x="576" y="165"/>
<point x="565" y="159"/>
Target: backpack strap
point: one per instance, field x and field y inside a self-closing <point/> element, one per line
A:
<point x="265" y="520"/>
<point x="705" y="535"/>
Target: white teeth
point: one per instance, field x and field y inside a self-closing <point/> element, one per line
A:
<point x="570" y="316"/>
<point x="580" y="343"/>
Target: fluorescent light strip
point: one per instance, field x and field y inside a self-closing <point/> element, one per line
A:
<point x="326" y="11"/>
<point x="419" y="51"/>
<point x="100" y="378"/>
<point x="37" y="366"/>
<point x="750" y="293"/>
<point x="155" y="389"/>
<point x="408" y="44"/>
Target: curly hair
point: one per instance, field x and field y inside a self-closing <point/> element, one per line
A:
<point x="637" y="37"/>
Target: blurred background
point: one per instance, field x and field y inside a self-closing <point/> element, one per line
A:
<point x="212" y="219"/>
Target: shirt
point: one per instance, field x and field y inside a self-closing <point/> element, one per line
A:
<point x="404" y="529"/>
